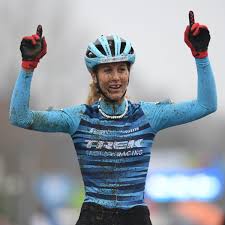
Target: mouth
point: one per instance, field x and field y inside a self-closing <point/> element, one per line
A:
<point x="115" y="87"/>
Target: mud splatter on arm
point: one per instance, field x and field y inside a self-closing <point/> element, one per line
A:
<point x="47" y="121"/>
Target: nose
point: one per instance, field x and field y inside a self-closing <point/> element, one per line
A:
<point x="115" y="75"/>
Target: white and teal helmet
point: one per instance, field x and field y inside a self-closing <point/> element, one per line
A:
<point x="109" y="49"/>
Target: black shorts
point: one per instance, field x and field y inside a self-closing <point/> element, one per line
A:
<point x="94" y="214"/>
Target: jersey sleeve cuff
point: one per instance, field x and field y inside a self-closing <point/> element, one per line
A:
<point x="202" y="61"/>
<point x="26" y="72"/>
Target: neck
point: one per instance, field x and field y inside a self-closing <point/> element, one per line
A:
<point x="113" y="108"/>
<point x="112" y="102"/>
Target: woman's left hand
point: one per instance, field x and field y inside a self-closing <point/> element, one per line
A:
<point x="197" y="38"/>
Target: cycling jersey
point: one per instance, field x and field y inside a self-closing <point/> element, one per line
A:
<point x="114" y="155"/>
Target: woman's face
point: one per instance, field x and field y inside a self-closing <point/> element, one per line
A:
<point x="113" y="80"/>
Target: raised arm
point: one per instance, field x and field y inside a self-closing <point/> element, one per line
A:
<point x="163" y="115"/>
<point x="67" y="120"/>
<point x="64" y="120"/>
<point x="166" y="114"/>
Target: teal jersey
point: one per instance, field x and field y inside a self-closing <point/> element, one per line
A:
<point x="114" y="155"/>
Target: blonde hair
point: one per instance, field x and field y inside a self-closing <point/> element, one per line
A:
<point x="93" y="94"/>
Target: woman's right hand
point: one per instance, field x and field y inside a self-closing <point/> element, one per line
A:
<point x="33" y="48"/>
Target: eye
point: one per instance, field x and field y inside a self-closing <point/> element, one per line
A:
<point x="122" y="69"/>
<point x="107" y="70"/>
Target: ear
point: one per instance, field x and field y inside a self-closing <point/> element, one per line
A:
<point x="93" y="75"/>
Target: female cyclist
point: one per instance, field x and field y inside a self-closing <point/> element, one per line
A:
<point x="112" y="136"/>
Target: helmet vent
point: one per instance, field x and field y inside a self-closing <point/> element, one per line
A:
<point x="131" y="51"/>
<point x="112" y="46"/>
<point x="90" y="54"/>
<point x="123" y="45"/>
<point x="101" y="49"/>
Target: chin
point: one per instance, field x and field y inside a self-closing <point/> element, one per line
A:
<point x="116" y="98"/>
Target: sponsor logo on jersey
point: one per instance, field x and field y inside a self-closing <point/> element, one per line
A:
<point x="114" y="144"/>
<point x="102" y="132"/>
<point x="115" y="154"/>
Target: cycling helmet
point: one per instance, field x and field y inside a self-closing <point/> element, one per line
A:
<point x="109" y="49"/>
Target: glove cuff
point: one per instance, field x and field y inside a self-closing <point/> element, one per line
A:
<point x="29" y="65"/>
<point x="200" y="55"/>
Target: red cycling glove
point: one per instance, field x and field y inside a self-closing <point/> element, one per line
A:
<point x="197" y="38"/>
<point x="33" y="48"/>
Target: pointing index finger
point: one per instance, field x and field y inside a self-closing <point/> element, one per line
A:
<point x="191" y="18"/>
<point x="39" y="31"/>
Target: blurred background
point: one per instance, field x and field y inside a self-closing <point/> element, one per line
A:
<point x="40" y="180"/>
